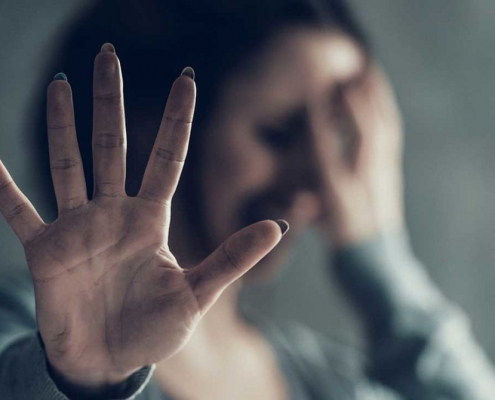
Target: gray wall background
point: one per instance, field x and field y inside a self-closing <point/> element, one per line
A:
<point x="440" y="56"/>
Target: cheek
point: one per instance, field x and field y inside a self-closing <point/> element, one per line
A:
<point x="236" y="166"/>
<point x="236" y="158"/>
<point x="243" y="162"/>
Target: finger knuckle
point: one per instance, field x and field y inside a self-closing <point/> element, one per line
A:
<point x="231" y="256"/>
<point x="64" y="163"/>
<point x="154" y="196"/>
<point x="176" y="120"/>
<point x="109" y="97"/>
<point x="15" y="212"/>
<point x="5" y="185"/>
<point x="109" y="189"/>
<point x="71" y="204"/>
<point x="168" y="156"/>
<point x="60" y="126"/>
<point x="108" y="141"/>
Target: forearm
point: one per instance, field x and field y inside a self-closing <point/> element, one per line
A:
<point x="25" y="375"/>
<point x="420" y="344"/>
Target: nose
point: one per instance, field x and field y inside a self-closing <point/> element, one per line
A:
<point x="299" y="168"/>
<point x="299" y="183"/>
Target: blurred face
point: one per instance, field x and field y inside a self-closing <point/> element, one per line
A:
<point x="258" y="160"/>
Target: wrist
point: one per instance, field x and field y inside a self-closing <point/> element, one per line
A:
<point x="85" y="384"/>
<point x="355" y="228"/>
<point x="89" y="384"/>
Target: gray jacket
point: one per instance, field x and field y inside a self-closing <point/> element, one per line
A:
<point x="420" y="345"/>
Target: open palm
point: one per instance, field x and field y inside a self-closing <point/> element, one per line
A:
<point x="110" y="296"/>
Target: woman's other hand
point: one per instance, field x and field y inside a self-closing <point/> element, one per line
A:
<point x="361" y="162"/>
<point x="110" y="296"/>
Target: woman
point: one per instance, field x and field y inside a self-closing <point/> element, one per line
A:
<point x="294" y="122"/>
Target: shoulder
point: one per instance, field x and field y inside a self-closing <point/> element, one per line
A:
<point x="322" y="367"/>
<point x="329" y="368"/>
<point x="16" y="282"/>
<point x="17" y="276"/>
<point x="318" y="350"/>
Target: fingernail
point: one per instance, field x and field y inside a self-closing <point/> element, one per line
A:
<point x="284" y="225"/>
<point x="60" y="77"/>
<point x="188" y="71"/>
<point x="108" y="47"/>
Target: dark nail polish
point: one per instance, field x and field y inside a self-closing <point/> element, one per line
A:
<point x="284" y="225"/>
<point x="108" y="47"/>
<point x="60" y="77"/>
<point x="188" y="71"/>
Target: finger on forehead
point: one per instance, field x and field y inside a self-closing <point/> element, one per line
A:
<point x="383" y="104"/>
<point x="385" y="94"/>
<point x="326" y="139"/>
<point x="361" y="115"/>
<point x="169" y="151"/>
<point x="109" y="137"/>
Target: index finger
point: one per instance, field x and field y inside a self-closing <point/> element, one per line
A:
<point x="169" y="151"/>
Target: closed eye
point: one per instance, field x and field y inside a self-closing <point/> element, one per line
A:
<point x="278" y="139"/>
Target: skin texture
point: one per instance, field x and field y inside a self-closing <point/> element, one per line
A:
<point x="309" y="132"/>
<point x="110" y="296"/>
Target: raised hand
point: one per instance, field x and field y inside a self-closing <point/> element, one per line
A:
<point x="361" y="162"/>
<point x="110" y="296"/>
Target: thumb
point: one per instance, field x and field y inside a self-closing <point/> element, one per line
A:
<point x="239" y="253"/>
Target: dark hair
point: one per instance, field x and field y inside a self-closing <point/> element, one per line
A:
<point x="154" y="40"/>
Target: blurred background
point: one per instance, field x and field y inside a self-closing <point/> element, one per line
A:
<point x="440" y="57"/>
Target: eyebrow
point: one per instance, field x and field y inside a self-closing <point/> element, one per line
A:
<point x="291" y="119"/>
<point x="297" y="115"/>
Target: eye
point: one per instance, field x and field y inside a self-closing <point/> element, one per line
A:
<point x="278" y="139"/>
<point x="340" y="120"/>
<point x="343" y="125"/>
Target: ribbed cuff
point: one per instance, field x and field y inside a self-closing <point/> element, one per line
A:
<point x="386" y="283"/>
<point x="30" y="378"/>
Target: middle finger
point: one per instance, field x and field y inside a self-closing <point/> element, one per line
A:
<point x="109" y="136"/>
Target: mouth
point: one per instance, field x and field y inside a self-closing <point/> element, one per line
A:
<point x="297" y="213"/>
<point x="265" y="206"/>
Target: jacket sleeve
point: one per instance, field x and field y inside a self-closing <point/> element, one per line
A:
<point x="23" y="363"/>
<point x="420" y="344"/>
